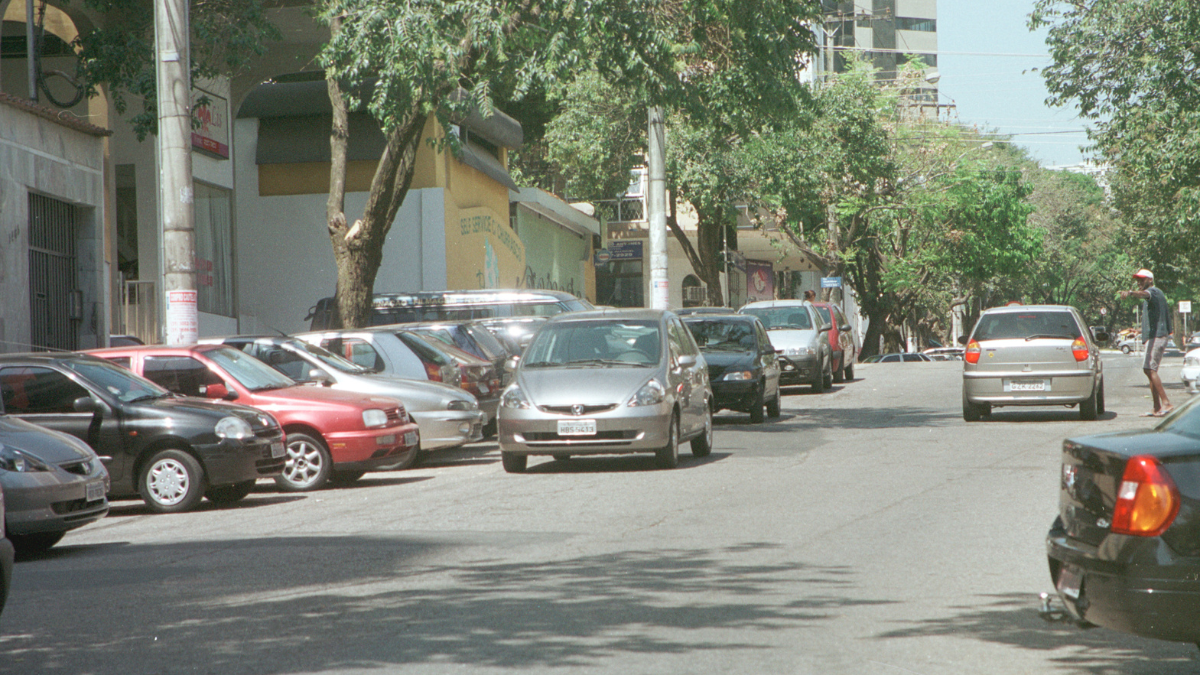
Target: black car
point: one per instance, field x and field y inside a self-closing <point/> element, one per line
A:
<point x="1124" y="551"/>
<point x="169" y="450"/>
<point x="743" y="365"/>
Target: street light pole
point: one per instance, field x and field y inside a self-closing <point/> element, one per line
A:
<point x="656" y="206"/>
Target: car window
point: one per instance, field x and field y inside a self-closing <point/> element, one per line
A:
<point x="287" y="362"/>
<point x="326" y="357"/>
<point x="723" y="335"/>
<point x="764" y="342"/>
<point x="1026" y="325"/>
<point x="424" y="350"/>
<point x="590" y="342"/>
<point x="34" y="390"/>
<point x="360" y="352"/>
<point x="824" y="312"/>
<point x="487" y="342"/>
<point x="247" y="370"/>
<point x="183" y="375"/>
<point x="539" y="308"/>
<point x="783" y="318"/>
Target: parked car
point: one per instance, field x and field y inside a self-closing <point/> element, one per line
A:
<point x="331" y="435"/>
<point x="797" y="329"/>
<point x="469" y="336"/>
<point x="478" y="377"/>
<point x="743" y="365"/>
<point x="446" y="415"/>
<point x="946" y="353"/>
<point x="390" y="308"/>
<point x="608" y="382"/>
<point x="53" y="483"/>
<point x="1123" y="551"/>
<point x="169" y="450"/>
<point x="1032" y="355"/>
<point x="6" y="557"/>
<point x="901" y="357"/>
<point x="1129" y="344"/>
<point x="514" y="332"/>
<point x="842" y="341"/>
<point x="1190" y="372"/>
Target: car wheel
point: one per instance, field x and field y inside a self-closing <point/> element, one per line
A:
<point x="561" y="456"/>
<point x="1100" y="398"/>
<point x="514" y="463"/>
<point x="702" y="444"/>
<point x="37" y="542"/>
<point x="972" y="412"/>
<point x="346" y="477"/>
<point x="818" y="383"/>
<point x="1087" y="408"/>
<point x="308" y="464"/>
<point x="839" y="373"/>
<point x="230" y="494"/>
<point x="171" y="481"/>
<point x="849" y="372"/>
<point x="829" y="374"/>
<point x="773" y="405"/>
<point x="756" y="406"/>
<point x="668" y="455"/>
<point x="1125" y="349"/>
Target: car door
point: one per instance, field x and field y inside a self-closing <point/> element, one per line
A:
<point x="690" y="378"/>
<point x="46" y="397"/>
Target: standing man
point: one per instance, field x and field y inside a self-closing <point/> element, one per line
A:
<point x="1156" y="327"/>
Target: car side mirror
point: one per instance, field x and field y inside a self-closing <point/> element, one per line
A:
<point x="320" y="377"/>
<point x="686" y="360"/>
<point x="825" y="328"/>
<point x="511" y="364"/>
<point x="1099" y="334"/>
<point x="844" y="328"/>
<point x="90" y="404"/>
<point x="219" y="392"/>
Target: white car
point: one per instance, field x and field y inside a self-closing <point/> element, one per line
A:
<point x="1190" y="373"/>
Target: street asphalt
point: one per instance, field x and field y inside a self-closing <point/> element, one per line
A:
<point x="868" y="531"/>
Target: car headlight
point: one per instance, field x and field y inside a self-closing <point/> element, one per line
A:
<point x="514" y="398"/>
<point x="374" y="418"/>
<point x="17" y="461"/>
<point x="739" y="375"/>
<point x="462" y="404"/>
<point x="651" y="393"/>
<point x="234" y="428"/>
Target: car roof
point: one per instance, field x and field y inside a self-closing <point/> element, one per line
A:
<point x="1028" y="308"/>
<point x="731" y="316"/>
<point x="34" y="358"/>
<point x="616" y="314"/>
<point x="777" y="303"/>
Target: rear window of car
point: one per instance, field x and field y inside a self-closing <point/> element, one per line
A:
<point x="723" y="334"/>
<point x="1027" y="325"/>
<point x="776" y="318"/>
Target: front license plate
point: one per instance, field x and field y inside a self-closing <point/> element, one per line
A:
<point x="577" y="427"/>
<point x="1069" y="582"/>
<point x="1027" y="385"/>
<point x="277" y="449"/>
<point x="95" y="491"/>
<point x="410" y="438"/>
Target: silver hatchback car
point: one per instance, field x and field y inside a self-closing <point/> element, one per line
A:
<point x="607" y="382"/>
<point x="1032" y="355"/>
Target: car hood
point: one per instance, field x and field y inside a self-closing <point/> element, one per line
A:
<point x="317" y="398"/>
<point x="784" y="338"/>
<point x="49" y="446"/>
<point x="416" y="395"/>
<point x="719" y="361"/>
<point x="587" y="386"/>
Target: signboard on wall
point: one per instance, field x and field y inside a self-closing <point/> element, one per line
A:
<point x="760" y="281"/>
<point x="625" y="250"/>
<point x="212" y="134"/>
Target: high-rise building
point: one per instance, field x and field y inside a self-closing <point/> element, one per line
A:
<point x="889" y="33"/>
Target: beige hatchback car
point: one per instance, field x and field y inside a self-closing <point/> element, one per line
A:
<point x="1033" y="355"/>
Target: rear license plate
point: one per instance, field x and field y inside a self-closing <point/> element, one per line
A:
<point x="277" y="449"/>
<point x="410" y="438"/>
<point x="95" y="491"/>
<point x="577" y="427"/>
<point x="1027" y="385"/>
<point x="1069" y="582"/>
<point x="483" y="388"/>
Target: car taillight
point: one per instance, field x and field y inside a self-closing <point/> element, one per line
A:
<point x="433" y="372"/>
<point x="1147" y="501"/>
<point x="1079" y="349"/>
<point x="971" y="353"/>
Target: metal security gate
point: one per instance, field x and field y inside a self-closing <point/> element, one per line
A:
<point x="55" y="302"/>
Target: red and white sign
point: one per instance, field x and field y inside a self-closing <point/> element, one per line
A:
<point x="212" y="136"/>
<point x="183" y="318"/>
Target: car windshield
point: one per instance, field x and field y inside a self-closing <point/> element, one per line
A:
<point x="603" y="342"/>
<point x="782" y="318"/>
<point x="487" y="342"/>
<point x="1028" y="325"/>
<point x="118" y="381"/>
<point x="722" y="335"/>
<point x="247" y="370"/>
<point x="327" y="357"/>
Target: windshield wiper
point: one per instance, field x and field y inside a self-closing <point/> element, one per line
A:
<point x="1045" y="336"/>
<point x="602" y="362"/>
<point x="148" y="397"/>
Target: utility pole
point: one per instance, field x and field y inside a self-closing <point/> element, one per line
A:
<point x="175" y="198"/>
<point x="656" y="205"/>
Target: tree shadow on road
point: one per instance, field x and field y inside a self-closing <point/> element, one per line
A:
<point x="1013" y="619"/>
<point x="313" y="604"/>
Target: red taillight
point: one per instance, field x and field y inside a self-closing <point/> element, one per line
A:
<point x="1147" y="500"/>
<point x="1079" y="349"/>
<point x="433" y="371"/>
<point x="971" y="353"/>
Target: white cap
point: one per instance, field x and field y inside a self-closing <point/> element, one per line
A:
<point x="1144" y="274"/>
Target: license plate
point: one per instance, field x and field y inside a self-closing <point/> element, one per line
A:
<point x="1069" y="582"/>
<point x="577" y="427"/>
<point x="483" y="388"/>
<point x="1027" y="385"/>
<point x="277" y="449"/>
<point x="410" y="438"/>
<point x="95" y="491"/>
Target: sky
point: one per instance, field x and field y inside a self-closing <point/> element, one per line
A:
<point x="986" y="59"/>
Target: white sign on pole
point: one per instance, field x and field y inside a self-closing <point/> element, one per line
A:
<point x="1185" y="306"/>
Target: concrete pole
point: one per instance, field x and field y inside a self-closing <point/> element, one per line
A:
<point x="175" y="197"/>
<point x="656" y="206"/>
<point x="31" y="51"/>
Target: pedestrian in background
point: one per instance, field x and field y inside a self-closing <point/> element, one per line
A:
<point x="810" y="296"/>
<point x="1156" y="329"/>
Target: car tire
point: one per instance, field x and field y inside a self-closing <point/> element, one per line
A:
<point x="668" y="455"/>
<point x="38" y="542"/>
<point x="756" y="406"/>
<point x="828" y="382"/>
<point x="849" y="372"/>
<point x="1100" y="398"/>
<point x="230" y="494"/>
<point x="561" y="456"/>
<point x="818" y="384"/>
<point x="703" y="444"/>
<point x="839" y="374"/>
<point x="308" y="464"/>
<point x="972" y="412"/>
<point x="171" y="481"/>
<point x="1125" y="349"/>
<point x="1087" y="408"/>
<point x="514" y="463"/>
<point x="773" y="406"/>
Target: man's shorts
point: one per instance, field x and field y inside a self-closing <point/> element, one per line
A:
<point x="1154" y="353"/>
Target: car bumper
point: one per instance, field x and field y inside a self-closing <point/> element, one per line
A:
<point x="623" y="430"/>
<point x="734" y="394"/>
<point x="1150" y="591"/>
<point x="230" y="462"/>
<point x="42" y="501"/>
<point x="794" y="369"/>
<point x="372" y="448"/>
<point x="448" y="428"/>
<point x="1059" y="388"/>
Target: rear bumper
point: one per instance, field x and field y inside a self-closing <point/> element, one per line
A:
<point x="1149" y="591"/>
<point x="1061" y="388"/>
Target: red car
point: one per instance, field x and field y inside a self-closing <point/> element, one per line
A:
<point x="841" y="340"/>
<point x="330" y="434"/>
